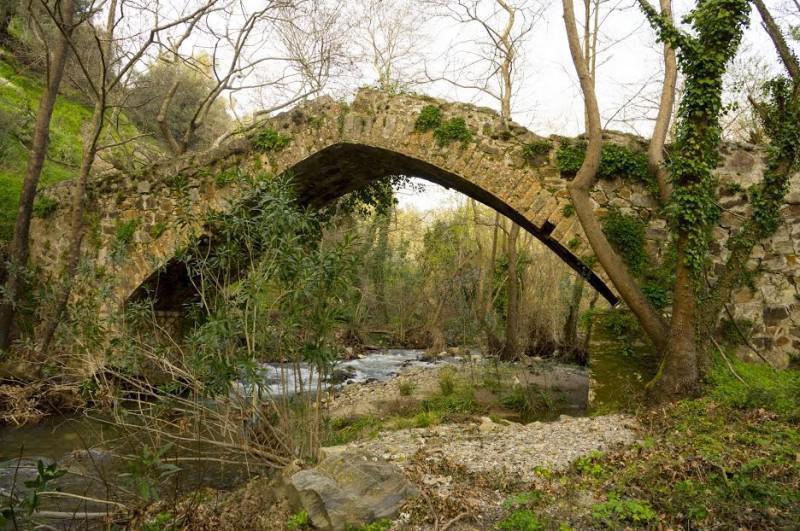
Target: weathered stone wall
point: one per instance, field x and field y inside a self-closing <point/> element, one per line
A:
<point x="335" y="148"/>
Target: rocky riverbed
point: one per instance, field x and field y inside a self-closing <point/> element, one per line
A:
<point x="457" y="468"/>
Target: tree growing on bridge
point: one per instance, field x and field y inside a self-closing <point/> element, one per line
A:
<point x="689" y="191"/>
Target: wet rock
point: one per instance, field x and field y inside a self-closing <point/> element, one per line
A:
<point x="350" y="489"/>
<point x="15" y="472"/>
<point x="340" y="375"/>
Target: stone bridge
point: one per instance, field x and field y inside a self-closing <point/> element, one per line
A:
<point x="334" y="148"/>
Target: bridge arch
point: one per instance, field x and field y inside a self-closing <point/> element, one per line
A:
<point x="334" y="147"/>
<point x="331" y="148"/>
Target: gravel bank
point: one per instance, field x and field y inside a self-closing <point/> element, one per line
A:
<point x="508" y="448"/>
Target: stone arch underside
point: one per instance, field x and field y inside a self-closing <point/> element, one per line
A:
<point x="345" y="167"/>
<point x="334" y="147"/>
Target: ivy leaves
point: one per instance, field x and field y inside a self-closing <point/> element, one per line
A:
<point x="703" y="58"/>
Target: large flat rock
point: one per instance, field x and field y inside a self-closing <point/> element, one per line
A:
<point x="350" y="489"/>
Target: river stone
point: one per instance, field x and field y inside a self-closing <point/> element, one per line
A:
<point x="350" y="489"/>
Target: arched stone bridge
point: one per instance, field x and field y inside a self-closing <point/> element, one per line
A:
<point x="334" y="148"/>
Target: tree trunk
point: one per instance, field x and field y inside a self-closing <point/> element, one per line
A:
<point x="79" y="193"/>
<point x="580" y="188"/>
<point x="511" y="348"/>
<point x="571" y="325"/>
<point x="655" y="152"/>
<point x="20" y="247"/>
<point x="679" y="372"/>
<point x="76" y="237"/>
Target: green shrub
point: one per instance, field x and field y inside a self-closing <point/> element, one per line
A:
<point x="226" y="177"/>
<point x="126" y="230"/>
<point x="763" y="387"/>
<point x="430" y="117"/>
<point x="298" y="521"/>
<point x="568" y="210"/>
<point x="536" y="152"/>
<point x="177" y="182"/>
<point x="659" y="294"/>
<point x="627" y="234"/>
<point x="452" y="130"/>
<point x="378" y="525"/>
<point x="619" y="161"/>
<point x="271" y="141"/>
<point x="617" y="510"/>
<point x="447" y="382"/>
<point x="589" y="465"/>
<point x="619" y="323"/>
<point x="615" y="162"/>
<point x="530" y="401"/>
<point x="157" y="229"/>
<point x="522" y="499"/>
<point x="461" y="401"/>
<point x="45" y="206"/>
<point x="406" y="388"/>
<point x="520" y="521"/>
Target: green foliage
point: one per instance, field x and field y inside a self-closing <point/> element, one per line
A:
<point x="523" y="520"/>
<point x="45" y="474"/>
<point x="377" y="525"/>
<point x="574" y="243"/>
<point x="627" y="510"/>
<point x="228" y="176"/>
<point x="703" y="56"/>
<point x="619" y="323"/>
<point x="298" y="521"/>
<point x="779" y="113"/>
<point x="125" y="231"/>
<point x="157" y="229"/>
<point x="179" y="181"/>
<point x="447" y="382"/>
<point x="274" y="247"/>
<point x="627" y="234"/>
<point x="529" y="401"/>
<point x="45" y="206"/>
<point x="658" y="293"/>
<point x="569" y="157"/>
<point x="460" y="402"/>
<point x="615" y="162"/>
<point x="568" y="211"/>
<point x="522" y="499"/>
<point x="147" y="470"/>
<point x="406" y="388"/>
<point x="271" y="141"/>
<point x="590" y="465"/>
<point x="736" y="332"/>
<point x="763" y="387"/>
<point x="194" y="85"/>
<point x="536" y="152"/>
<point x="430" y="118"/>
<point x="454" y="129"/>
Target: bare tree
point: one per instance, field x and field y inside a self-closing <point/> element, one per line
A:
<point x="581" y="187"/>
<point x="490" y="66"/>
<point x="63" y="14"/>
<point x="390" y="39"/>
<point x="113" y="73"/>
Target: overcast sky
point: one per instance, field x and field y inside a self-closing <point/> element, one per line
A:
<point x="547" y="97"/>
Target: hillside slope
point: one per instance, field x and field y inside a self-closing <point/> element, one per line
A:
<point x="19" y="100"/>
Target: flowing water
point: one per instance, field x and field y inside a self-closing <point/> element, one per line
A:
<point x="80" y="444"/>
